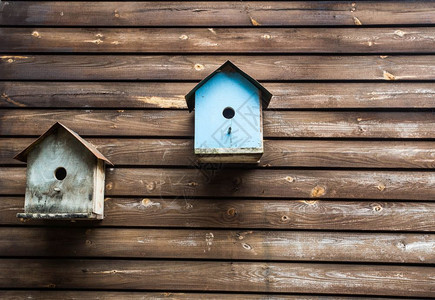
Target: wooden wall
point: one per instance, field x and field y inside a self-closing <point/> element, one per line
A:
<point x="341" y="205"/>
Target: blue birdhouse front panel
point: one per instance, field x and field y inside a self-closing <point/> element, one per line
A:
<point x="228" y="116"/>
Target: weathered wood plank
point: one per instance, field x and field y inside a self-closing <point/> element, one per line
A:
<point x="388" y="280"/>
<point x="218" y="244"/>
<point x="138" y="295"/>
<point x="170" y="95"/>
<point x="305" y="124"/>
<point x="203" y="182"/>
<point x="196" y="67"/>
<point x="278" y="153"/>
<point x="242" y="40"/>
<point x="253" y="214"/>
<point x="231" y="13"/>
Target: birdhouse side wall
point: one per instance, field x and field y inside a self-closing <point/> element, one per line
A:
<point x="99" y="179"/>
<point x="47" y="194"/>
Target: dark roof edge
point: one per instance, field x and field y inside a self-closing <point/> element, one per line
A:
<point x="22" y="156"/>
<point x="265" y="94"/>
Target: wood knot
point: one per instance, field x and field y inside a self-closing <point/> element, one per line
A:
<point x="237" y="181"/>
<point x="109" y="186"/>
<point x="377" y="208"/>
<point x="10" y="60"/>
<point x="381" y="187"/>
<point x="199" y="67"/>
<point x="36" y="34"/>
<point x="289" y="179"/>
<point x="151" y="186"/>
<point x="184" y="37"/>
<point x="310" y="202"/>
<point x="266" y="37"/>
<point x="318" y="191"/>
<point x="116" y="14"/>
<point x="51" y="285"/>
<point x="246" y="246"/>
<point x="401" y="245"/>
<point x="399" y="33"/>
<point x="232" y="212"/>
<point x="88" y="242"/>
<point x="193" y="183"/>
<point x="285" y="218"/>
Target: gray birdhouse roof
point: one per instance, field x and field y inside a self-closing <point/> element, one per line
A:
<point x="22" y="156"/>
<point x="228" y="65"/>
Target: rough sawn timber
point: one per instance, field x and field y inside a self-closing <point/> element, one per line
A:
<point x="218" y="244"/>
<point x="209" y="40"/>
<point x="172" y="123"/>
<point x="249" y="214"/>
<point x="278" y="153"/>
<point x="216" y="13"/>
<point x="387" y="280"/>
<point x="197" y="67"/>
<point x="170" y="95"/>
<point x="293" y="183"/>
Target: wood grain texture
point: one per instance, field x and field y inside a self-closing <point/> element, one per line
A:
<point x="218" y="244"/>
<point x="218" y="40"/>
<point x="170" y="95"/>
<point x="248" y="214"/>
<point x="277" y="153"/>
<point x="304" y="221"/>
<point x="231" y="13"/>
<point x="197" y="67"/>
<point x="219" y="276"/>
<point x="141" y="295"/>
<point x="301" y="124"/>
<point x="203" y="182"/>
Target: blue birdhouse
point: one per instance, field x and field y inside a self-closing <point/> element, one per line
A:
<point x="228" y="116"/>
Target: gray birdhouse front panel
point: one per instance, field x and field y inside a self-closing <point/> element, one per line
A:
<point x="60" y="176"/>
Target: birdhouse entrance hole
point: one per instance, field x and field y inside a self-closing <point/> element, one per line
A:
<point x="60" y="173"/>
<point x="228" y="112"/>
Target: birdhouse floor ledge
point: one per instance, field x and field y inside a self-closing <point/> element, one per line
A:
<point x="60" y="216"/>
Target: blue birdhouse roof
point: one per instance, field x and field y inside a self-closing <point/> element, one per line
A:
<point x="228" y="66"/>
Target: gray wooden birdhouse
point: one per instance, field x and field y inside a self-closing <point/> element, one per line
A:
<point x="65" y="177"/>
<point x="228" y="116"/>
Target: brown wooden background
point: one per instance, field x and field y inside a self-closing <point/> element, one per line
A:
<point x="341" y="205"/>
